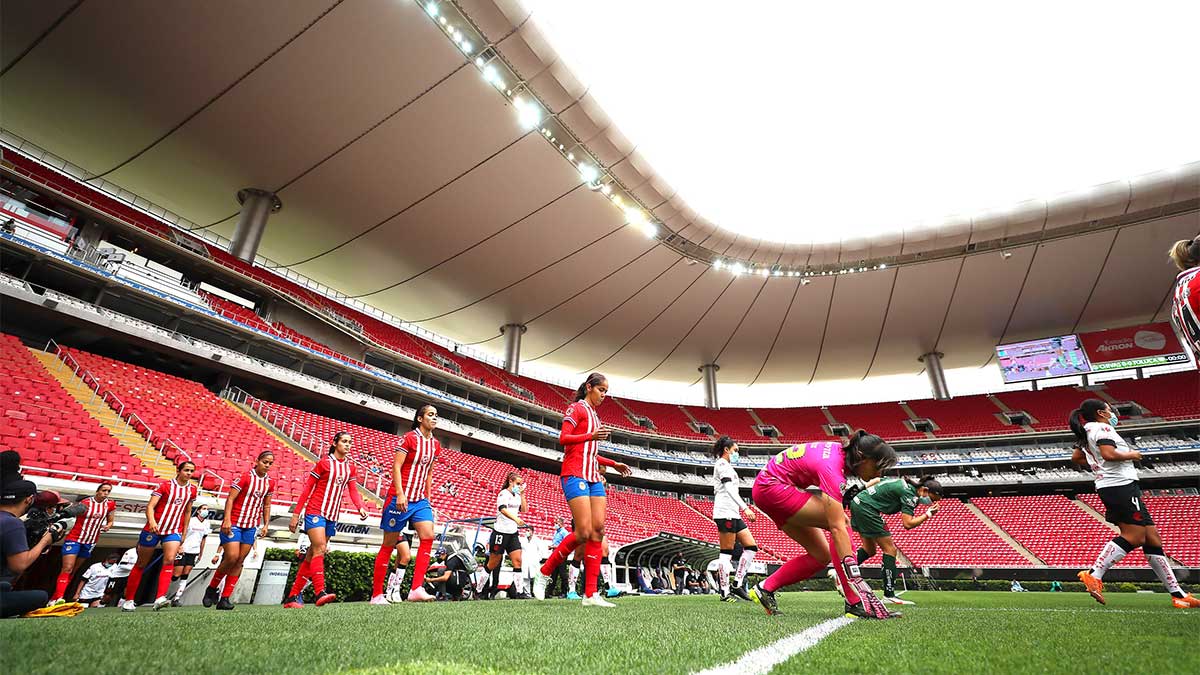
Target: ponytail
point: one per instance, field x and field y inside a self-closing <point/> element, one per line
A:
<point x="592" y="380"/>
<point x="1185" y="253"/>
<point x="1086" y="412"/>
<point x="863" y="446"/>
<point x="723" y="443"/>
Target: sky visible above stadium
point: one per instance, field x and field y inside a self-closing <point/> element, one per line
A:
<point x="814" y="123"/>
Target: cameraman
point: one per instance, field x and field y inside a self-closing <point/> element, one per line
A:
<point x="16" y="555"/>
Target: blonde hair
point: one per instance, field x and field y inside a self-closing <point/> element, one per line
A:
<point x="1186" y="253"/>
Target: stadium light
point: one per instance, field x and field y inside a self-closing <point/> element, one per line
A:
<point x="588" y="173"/>
<point x="432" y="9"/>
<point x="737" y="268"/>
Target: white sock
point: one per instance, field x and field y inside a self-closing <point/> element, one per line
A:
<point x="1110" y="555"/>
<point x="606" y="572"/>
<point x="1166" y="575"/>
<point x="744" y="566"/>
<point x="572" y="578"/>
<point x="182" y="585"/>
<point x="396" y="580"/>
<point x="481" y="581"/>
<point x="519" y="580"/>
<point x="723" y="567"/>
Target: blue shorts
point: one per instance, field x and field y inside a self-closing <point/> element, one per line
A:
<point x="242" y="535"/>
<point x="395" y="520"/>
<point x="317" y="522"/>
<point x="75" y="548"/>
<point x="574" y="486"/>
<point x="151" y="540"/>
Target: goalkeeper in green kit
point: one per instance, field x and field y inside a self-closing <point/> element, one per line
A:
<point x="891" y="495"/>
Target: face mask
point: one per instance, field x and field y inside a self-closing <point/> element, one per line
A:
<point x="733" y="457"/>
<point x="518" y="489"/>
<point x="1112" y="420"/>
<point x="924" y="500"/>
<point x="202" y="515"/>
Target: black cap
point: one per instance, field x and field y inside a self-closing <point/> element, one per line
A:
<point x="17" y="490"/>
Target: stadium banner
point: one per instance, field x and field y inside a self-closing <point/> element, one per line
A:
<point x="1152" y="344"/>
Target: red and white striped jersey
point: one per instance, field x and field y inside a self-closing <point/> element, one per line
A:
<point x="1185" y="310"/>
<point x="87" y="526"/>
<point x="171" y="512"/>
<point x="333" y="476"/>
<point x="418" y="463"/>
<point x="581" y="459"/>
<point x="253" y="490"/>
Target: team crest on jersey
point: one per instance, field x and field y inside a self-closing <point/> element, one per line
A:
<point x="313" y="520"/>
<point x="582" y="485"/>
<point x="391" y="522"/>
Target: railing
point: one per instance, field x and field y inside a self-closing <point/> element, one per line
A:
<point x="180" y="452"/>
<point x="91" y="477"/>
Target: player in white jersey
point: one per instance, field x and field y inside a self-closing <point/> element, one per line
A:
<point x="193" y="543"/>
<point x="510" y="504"/>
<point x="1185" y="298"/>
<point x="728" y="509"/>
<point x="1102" y="448"/>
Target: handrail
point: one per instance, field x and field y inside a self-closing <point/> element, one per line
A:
<point x="76" y="475"/>
<point x="162" y="447"/>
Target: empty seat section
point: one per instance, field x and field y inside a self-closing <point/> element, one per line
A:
<point x="1178" y="521"/>
<point x="1053" y="528"/>
<point x="1049" y="406"/>
<point x="733" y="422"/>
<point x="966" y="416"/>
<point x="668" y="419"/>
<point x="48" y="427"/>
<point x="1175" y="396"/>
<point x="882" y="419"/>
<point x="955" y="538"/>
<point x="795" y="425"/>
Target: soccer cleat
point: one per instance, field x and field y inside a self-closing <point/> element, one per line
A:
<point x="380" y="599"/>
<point x="539" y="585"/>
<point x="224" y="603"/>
<point x="896" y="600"/>
<point x="162" y="601"/>
<point x="729" y="598"/>
<point x="325" y="599"/>
<point x="739" y="592"/>
<point x="573" y="596"/>
<point x="56" y="602"/>
<point x="128" y="606"/>
<point x="419" y="594"/>
<point x="210" y="597"/>
<point x="1094" y="586"/>
<point x="596" y="601"/>
<point x="766" y="599"/>
<point x="1185" y="602"/>
<point x="176" y="602"/>
<point x="612" y="593"/>
<point x="294" y="602"/>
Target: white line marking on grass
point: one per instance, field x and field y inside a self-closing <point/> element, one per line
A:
<point x="763" y="659"/>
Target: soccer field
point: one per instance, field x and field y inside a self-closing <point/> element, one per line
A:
<point x="950" y="632"/>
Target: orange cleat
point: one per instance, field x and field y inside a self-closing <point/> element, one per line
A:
<point x="1094" y="586"/>
<point x="1185" y="602"/>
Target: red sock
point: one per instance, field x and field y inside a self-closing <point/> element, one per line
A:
<point x="132" y="583"/>
<point x="797" y="569"/>
<point x="852" y="596"/>
<point x="216" y="580"/>
<point x="382" y="560"/>
<point x="422" y="563"/>
<point x="230" y="584"/>
<point x="60" y="585"/>
<point x="317" y="568"/>
<point x="164" y="579"/>
<point x="301" y="578"/>
<point x="592" y="551"/>
<point x="565" y="548"/>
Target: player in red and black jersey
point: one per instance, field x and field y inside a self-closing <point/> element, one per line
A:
<point x="1185" y="298"/>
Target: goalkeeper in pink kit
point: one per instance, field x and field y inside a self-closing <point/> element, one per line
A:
<point x="801" y="490"/>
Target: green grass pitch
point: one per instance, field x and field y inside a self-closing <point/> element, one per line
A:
<point x="949" y="632"/>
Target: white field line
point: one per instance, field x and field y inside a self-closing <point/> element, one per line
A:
<point x="763" y="659"/>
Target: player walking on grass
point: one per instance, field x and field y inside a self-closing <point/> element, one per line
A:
<point x="892" y="495"/>
<point x="408" y="506"/>
<point x="728" y="509"/>
<point x="785" y="491"/>
<point x="193" y="543"/>
<point x="580" y="437"/>
<point x="1103" y="449"/>
<point x="247" y="512"/>
<point x="510" y="504"/>
<point x="168" y="510"/>
<point x="319" y="503"/>
<point x="82" y="538"/>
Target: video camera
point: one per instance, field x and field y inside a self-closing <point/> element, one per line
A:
<point x="50" y="513"/>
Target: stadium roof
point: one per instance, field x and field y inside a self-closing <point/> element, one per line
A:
<point x="413" y="180"/>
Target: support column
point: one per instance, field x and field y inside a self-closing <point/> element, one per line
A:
<point x="937" y="377"/>
<point x="708" y="373"/>
<point x="257" y="205"/>
<point x="512" y="333"/>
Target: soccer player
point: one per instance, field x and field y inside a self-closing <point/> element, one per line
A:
<point x="408" y="506"/>
<point x="728" y="509"/>
<point x="166" y="515"/>
<point x="193" y="544"/>
<point x="510" y="504"/>
<point x="96" y="578"/>
<point x="580" y="437"/>
<point x="319" y="503"/>
<point x="892" y="495"/>
<point x="1185" y="300"/>
<point x="82" y="538"/>
<point x="785" y="491"/>
<point x="1111" y="460"/>
<point x="247" y="512"/>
